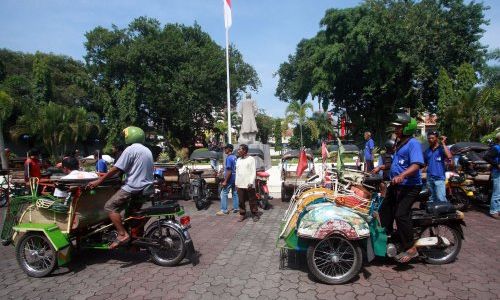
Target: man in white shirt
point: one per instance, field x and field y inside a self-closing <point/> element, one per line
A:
<point x="245" y="183"/>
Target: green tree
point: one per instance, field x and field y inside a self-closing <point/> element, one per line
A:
<point x="265" y="126"/>
<point x="42" y="80"/>
<point x="6" y="105"/>
<point x="382" y="55"/>
<point x="172" y="75"/>
<point x="296" y="113"/>
<point x="56" y="126"/>
<point x="324" y="124"/>
<point x="277" y="133"/>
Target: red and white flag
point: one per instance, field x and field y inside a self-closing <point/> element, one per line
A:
<point x="228" y="20"/>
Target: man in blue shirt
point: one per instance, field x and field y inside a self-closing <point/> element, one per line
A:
<point x="368" y="152"/>
<point x="434" y="158"/>
<point x="228" y="183"/>
<point x="493" y="158"/>
<point x="406" y="183"/>
<point x="100" y="166"/>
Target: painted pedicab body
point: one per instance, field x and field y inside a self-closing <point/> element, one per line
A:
<point x="339" y="230"/>
<point x="46" y="230"/>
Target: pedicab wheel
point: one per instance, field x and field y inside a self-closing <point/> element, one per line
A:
<point x="334" y="260"/>
<point x="439" y="255"/>
<point x="36" y="255"/>
<point x="172" y="248"/>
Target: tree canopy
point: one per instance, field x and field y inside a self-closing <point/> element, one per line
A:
<point x="379" y="56"/>
<point x="172" y="75"/>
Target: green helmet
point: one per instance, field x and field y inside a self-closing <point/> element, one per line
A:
<point x="409" y="124"/>
<point x="134" y="135"/>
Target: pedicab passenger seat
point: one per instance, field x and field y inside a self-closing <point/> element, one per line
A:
<point x="164" y="208"/>
<point x="197" y="172"/>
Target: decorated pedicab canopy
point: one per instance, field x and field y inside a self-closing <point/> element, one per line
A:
<point x="296" y="154"/>
<point x="205" y="154"/>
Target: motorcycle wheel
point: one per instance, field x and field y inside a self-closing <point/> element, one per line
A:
<point x="334" y="260"/>
<point x="172" y="241"/>
<point x="36" y="255"/>
<point x="439" y="255"/>
<point x="264" y="202"/>
<point x="284" y="197"/>
<point x="198" y="203"/>
<point x="459" y="199"/>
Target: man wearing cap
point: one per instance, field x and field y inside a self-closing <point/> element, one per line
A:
<point x="406" y="183"/>
<point x="228" y="183"/>
<point x="493" y="158"/>
<point x="434" y="158"/>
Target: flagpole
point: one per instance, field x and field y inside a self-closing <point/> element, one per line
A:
<point x="228" y="90"/>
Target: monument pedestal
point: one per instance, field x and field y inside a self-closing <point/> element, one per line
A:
<point x="265" y="148"/>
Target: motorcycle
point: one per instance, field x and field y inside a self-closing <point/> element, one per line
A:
<point x="262" y="190"/>
<point x="459" y="190"/>
<point x="339" y="229"/>
<point x="46" y="230"/>
<point x="473" y="167"/>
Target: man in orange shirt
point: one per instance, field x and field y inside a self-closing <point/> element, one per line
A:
<point x="32" y="166"/>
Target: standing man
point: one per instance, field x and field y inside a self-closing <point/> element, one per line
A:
<point x="368" y="152"/>
<point x="385" y="161"/>
<point x="100" y="166"/>
<point x="245" y="180"/>
<point x="32" y="165"/>
<point x="493" y="158"/>
<point x="406" y="183"/>
<point x="136" y="162"/>
<point x="229" y="181"/>
<point x="434" y="158"/>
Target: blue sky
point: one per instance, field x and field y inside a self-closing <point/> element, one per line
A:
<point x="266" y="32"/>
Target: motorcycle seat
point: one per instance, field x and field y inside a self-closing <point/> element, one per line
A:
<point x="262" y="174"/>
<point x="166" y="208"/>
<point x="440" y="208"/>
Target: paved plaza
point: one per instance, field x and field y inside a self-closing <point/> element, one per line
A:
<point x="240" y="260"/>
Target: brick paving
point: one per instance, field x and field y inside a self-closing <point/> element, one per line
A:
<point x="240" y="260"/>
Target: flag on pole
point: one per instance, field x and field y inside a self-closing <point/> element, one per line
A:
<point x="302" y="165"/>
<point x="228" y="20"/>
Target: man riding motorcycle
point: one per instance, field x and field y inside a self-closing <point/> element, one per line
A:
<point x="406" y="183"/>
<point x="136" y="162"/>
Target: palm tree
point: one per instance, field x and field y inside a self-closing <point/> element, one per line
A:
<point x="325" y="126"/>
<point x="296" y="113"/>
<point x="57" y="126"/>
<point x="6" y="105"/>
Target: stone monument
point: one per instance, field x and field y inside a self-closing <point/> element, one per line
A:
<point x="248" y="131"/>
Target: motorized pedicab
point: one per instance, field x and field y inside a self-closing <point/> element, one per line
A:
<point x="204" y="179"/>
<point x="45" y="230"/>
<point x="289" y="179"/>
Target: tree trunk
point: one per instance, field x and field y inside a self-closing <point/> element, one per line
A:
<point x="3" y="157"/>
<point x="301" y="141"/>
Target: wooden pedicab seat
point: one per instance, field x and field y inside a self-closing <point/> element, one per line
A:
<point x="88" y="207"/>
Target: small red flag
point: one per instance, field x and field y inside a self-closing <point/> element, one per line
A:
<point x="302" y="165"/>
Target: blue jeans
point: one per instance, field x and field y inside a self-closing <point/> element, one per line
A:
<point x="495" y="195"/>
<point x="437" y="188"/>
<point x="224" y="196"/>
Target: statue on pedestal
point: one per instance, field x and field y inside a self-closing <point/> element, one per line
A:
<point x="248" y="131"/>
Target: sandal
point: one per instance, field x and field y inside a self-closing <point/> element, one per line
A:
<point x="117" y="243"/>
<point x="405" y="257"/>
